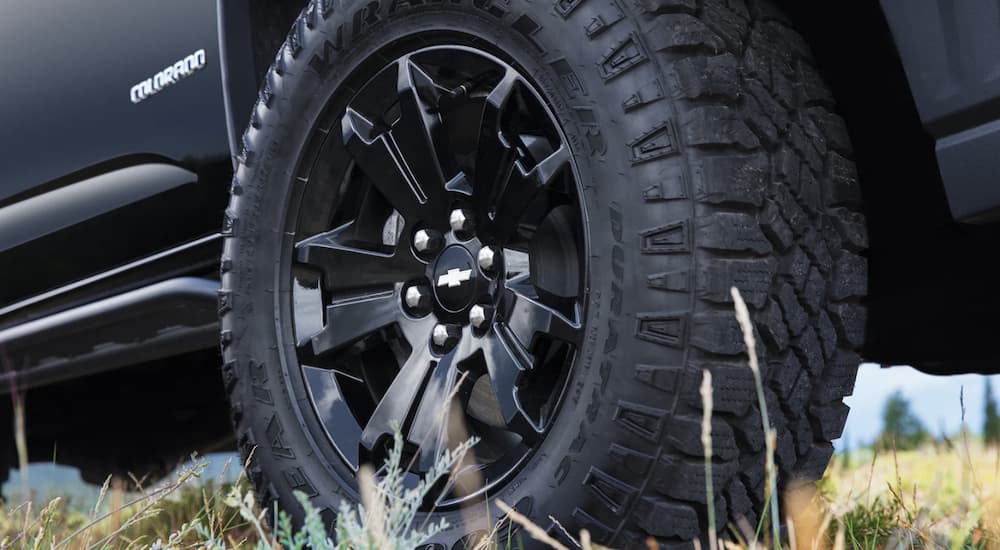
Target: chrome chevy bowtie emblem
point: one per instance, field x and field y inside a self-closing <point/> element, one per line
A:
<point x="454" y="277"/>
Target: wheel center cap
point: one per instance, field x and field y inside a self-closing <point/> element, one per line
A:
<point x="455" y="278"/>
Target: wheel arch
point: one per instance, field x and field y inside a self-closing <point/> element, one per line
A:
<point x="250" y="34"/>
<point x="924" y="267"/>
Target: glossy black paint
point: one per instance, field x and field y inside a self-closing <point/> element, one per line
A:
<point x="236" y="64"/>
<point x="90" y="179"/>
<point x="116" y="238"/>
<point x="35" y="217"/>
<point x="73" y="65"/>
<point x="950" y="53"/>
<point x="161" y="320"/>
<point x="949" y="50"/>
<point x="199" y="257"/>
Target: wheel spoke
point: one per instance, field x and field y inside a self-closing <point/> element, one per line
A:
<point x="351" y="319"/>
<point x="522" y="188"/>
<point x="527" y="315"/>
<point x="378" y="156"/>
<point x="333" y="411"/>
<point x="346" y="267"/>
<point x="495" y="155"/>
<point x="418" y="133"/>
<point x="349" y="366"/>
<point x="402" y="397"/>
<point x="430" y="421"/>
<point x="505" y="360"/>
<point x="505" y="354"/>
<point x="503" y="186"/>
<point x="407" y="162"/>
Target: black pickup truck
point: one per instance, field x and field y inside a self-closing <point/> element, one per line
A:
<point x="509" y="219"/>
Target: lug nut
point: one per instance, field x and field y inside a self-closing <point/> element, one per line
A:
<point x="418" y="299"/>
<point x="445" y="336"/>
<point x="480" y="316"/>
<point x="488" y="259"/>
<point x="461" y="221"/>
<point x="427" y="241"/>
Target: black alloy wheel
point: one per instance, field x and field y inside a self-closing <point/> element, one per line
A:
<point x="446" y="297"/>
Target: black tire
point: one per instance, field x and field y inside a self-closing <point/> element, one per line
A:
<point x="711" y="155"/>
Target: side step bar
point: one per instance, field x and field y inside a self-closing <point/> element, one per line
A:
<point x="164" y="319"/>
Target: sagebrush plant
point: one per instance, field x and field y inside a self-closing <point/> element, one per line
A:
<point x="384" y="520"/>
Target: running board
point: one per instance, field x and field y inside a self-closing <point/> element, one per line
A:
<point x="164" y="319"/>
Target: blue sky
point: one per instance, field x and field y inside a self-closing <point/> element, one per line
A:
<point x="935" y="399"/>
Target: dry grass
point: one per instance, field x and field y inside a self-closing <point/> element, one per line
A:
<point x="935" y="497"/>
<point x="121" y="519"/>
<point x="932" y="497"/>
<point x="945" y="496"/>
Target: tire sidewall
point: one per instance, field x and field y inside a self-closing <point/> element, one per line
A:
<point x="291" y="449"/>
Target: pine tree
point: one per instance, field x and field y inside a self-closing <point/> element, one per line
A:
<point x="901" y="429"/>
<point x="991" y="425"/>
